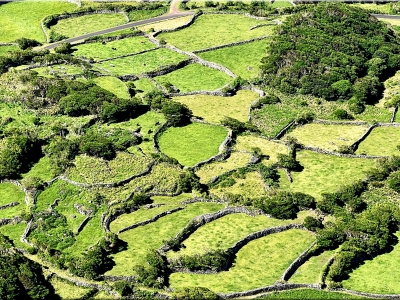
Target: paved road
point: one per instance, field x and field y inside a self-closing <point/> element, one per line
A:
<point x="380" y="16"/>
<point x="120" y="27"/>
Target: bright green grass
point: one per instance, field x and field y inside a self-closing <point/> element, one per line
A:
<point x="282" y="3"/>
<point x="12" y="212"/>
<point x="167" y="24"/>
<point x="234" y="161"/>
<point x="327" y="173"/>
<point x="248" y="142"/>
<point x="226" y="231"/>
<point x="144" y="214"/>
<point x="42" y="169"/>
<point x="212" y="30"/>
<point x="123" y="46"/>
<point x="309" y="294"/>
<point x="381" y="141"/>
<point x="260" y="263"/>
<point x="103" y="295"/>
<point x="77" y="26"/>
<point x="329" y="137"/>
<point x="251" y="186"/>
<point x="142" y="62"/>
<point x="193" y="143"/>
<point x="243" y="60"/>
<point x="143" y="14"/>
<point x="310" y="271"/>
<point x="5" y="49"/>
<point x="22" y="19"/>
<point x="152" y="235"/>
<point x="195" y="77"/>
<point x="10" y="193"/>
<point x="214" y="108"/>
<point x="14" y="233"/>
<point x="383" y="8"/>
<point x="143" y="86"/>
<point x="68" y="290"/>
<point x="379" y="275"/>
<point x="113" y="85"/>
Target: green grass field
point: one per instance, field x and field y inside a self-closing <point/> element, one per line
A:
<point x="22" y="19"/>
<point x="243" y="60"/>
<point x="329" y="137"/>
<point x="152" y="235"/>
<point x="168" y="24"/>
<point x="326" y="173"/>
<point x="193" y="143"/>
<point x="113" y="85"/>
<point x="5" y="49"/>
<point x="14" y="233"/>
<point x="77" y="26"/>
<point x="124" y="46"/>
<point x="142" y="62"/>
<point x="381" y="141"/>
<point x="10" y="193"/>
<point x="68" y="290"/>
<point x="309" y="294"/>
<point x="214" y="108"/>
<point x="143" y="86"/>
<point x="226" y="231"/>
<point x="310" y="271"/>
<point x="212" y="30"/>
<point x="195" y="77"/>
<point x="383" y="8"/>
<point x="260" y="263"/>
<point x="143" y="14"/>
<point x="234" y="161"/>
<point x="379" y="275"/>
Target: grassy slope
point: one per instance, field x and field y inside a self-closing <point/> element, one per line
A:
<point x="214" y="108"/>
<point x="114" y="85"/>
<point x="192" y="143"/>
<point x="259" y="263"/>
<point x="22" y="19"/>
<point x="381" y="141"/>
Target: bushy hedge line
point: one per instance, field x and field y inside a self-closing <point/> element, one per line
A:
<point x="216" y="260"/>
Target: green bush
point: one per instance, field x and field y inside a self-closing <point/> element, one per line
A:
<point x="341" y="114"/>
<point x="24" y="43"/>
<point x="195" y="293"/>
<point x="394" y="181"/>
<point x="312" y="223"/>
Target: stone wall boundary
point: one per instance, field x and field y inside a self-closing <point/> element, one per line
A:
<point x="396" y="108"/>
<point x="126" y="55"/>
<point x="26" y="233"/>
<point x="156" y="135"/>
<point x="284" y="130"/>
<point x="303" y="257"/>
<point x="83" y="224"/>
<point x="328" y="122"/>
<point x="12" y="204"/>
<point x="168" y="68"/>
<point x="231" y="44"/>
<point x="190" y="22"/>
<point x="7" y="221"/>
<point x="355" y="145"/>
<point x="323" y="151"/>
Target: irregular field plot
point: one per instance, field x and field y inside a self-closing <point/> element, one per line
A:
<point x="381" y="141"/>
<point x="89" y="169"/>
<point x="152" y="235"/>
<point x="68" y="290"/>
<point x="193" y="143"/>
<point x="213" y="30"/>
<point x="10" y="193"/>
<point x="226" y="231"/>
<point x="243" y="60"/>
<point x="248" y="142"/>
<point x="195" y="77"/>
<point x="329" y="137"/>
<point x="214" y="108"/>
<point x="379" y="275"/>
<point x="14" y="233"/>
<point x="168" y="24"/>
<point x="85" y="24"/>
<point x="310" y="271"/>
<point x="309" y="294"/>
<point x="327" y="173"/>
<point x="234" y="161"/>
<point x="113" y="85"/>
<point x="143" y="86"/>
<point x="142" y="62"/>
<point x="22" y="19"/>
<point x="259" y="263"/>
<point x="123" y="46"/>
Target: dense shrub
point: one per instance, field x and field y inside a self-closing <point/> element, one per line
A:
<point x="312" y="223"/>
<point x="394" y="181"/>
<point x="24" y="43"/>
<point x="177" y="114"/>
<point x="341" y="114"/>
<point x="155" y="272"/>
<point x="213" y="260"/>
<point x="195" y="293"/>
<point x="63" y="48"/>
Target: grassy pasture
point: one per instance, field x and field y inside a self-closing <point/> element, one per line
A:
<point x="329" y="137"/>
<point x="213" y="30"/>
<point x="260" y="263"/>
<point x="143" y="14"/>
<point x="123" y="46"/>
<point x="309" y="294"/>
<point x="152" y="235"/>
<point x="226" y="231"/>
<point x="193" y="143"/>
<point x="326" y="173"/>
<point x="10" y="193"/>
<point x="381" y="141"/>
<point x="251" y="186"/>
<point x="5" y="49"/>
<point x="68" y="290"/>
<point x="214" y="108"/>
<point x="143" y="86"/>
<point x="22" y="19"/>
<point x="77" y="26"/>
<point x="142" y="62"/>
<point x="243" y="60"/>
<point x="168" y="24"/>
<point x="195" y="77"/>
<point x="311" y="270"/>
<point x="14" y="233"/>
<point x="144" y="214"/>
<point x="379" y="275"/>
<point x="234" y="161"/>
<point x="113" y="85"/>
<point x="248" y="142"/>
<point x="90" y="169"/>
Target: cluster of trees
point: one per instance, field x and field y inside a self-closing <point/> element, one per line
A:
<point x="194" y="293"/>
<point x="155" y="273"/>
<point x="17" y="58"/>
<point x="216" y="260"/>
<point x="333" y="51"/>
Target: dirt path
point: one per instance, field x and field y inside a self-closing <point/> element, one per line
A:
<point x="174" y="9"/>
